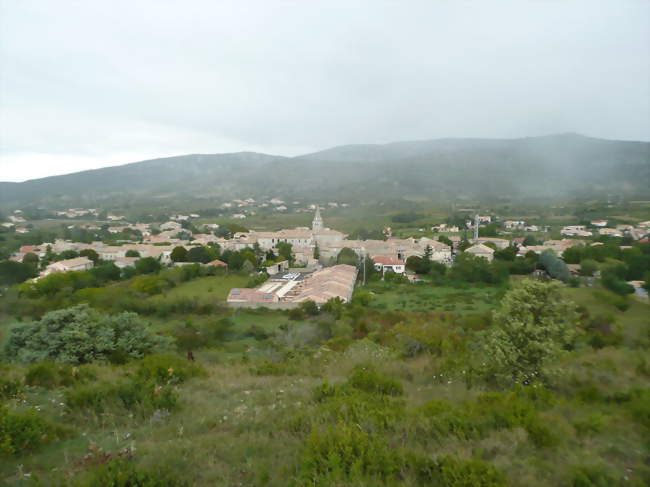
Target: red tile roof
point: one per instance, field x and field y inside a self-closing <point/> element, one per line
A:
<point x="387" y="260"/>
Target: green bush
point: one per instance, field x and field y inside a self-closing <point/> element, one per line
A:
<point x="365" y="378"/>
<point x="490" y="411"/>
<point x="167" y="369"/>
<point x="344" y="452"/>
<point x="10" y="388"/>
<point x="49" y="375"/>
<point x="540" y="434"/>
<point x="453" y="472"/>
<point x="593" y="423"/>
<point x="370" y="411"/>
<point x="274" y="369"/>
<point x="80" y="335"/>
<point x="124" y="473"/>
<point x="25" y="431"/>
<point x="143" y="398"/>
<point x="639" y="406"/>
<point x="591" y="476"/>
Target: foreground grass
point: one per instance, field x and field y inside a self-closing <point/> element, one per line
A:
<point x="283" y="408"/>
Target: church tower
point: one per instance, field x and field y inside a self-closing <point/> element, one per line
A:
<point x="317" y="222"/>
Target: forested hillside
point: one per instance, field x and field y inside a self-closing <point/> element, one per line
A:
<point x="559" y="165"/>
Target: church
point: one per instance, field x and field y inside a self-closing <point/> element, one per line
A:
<point x="331" y="242"/>
<point x="298" y="237"/>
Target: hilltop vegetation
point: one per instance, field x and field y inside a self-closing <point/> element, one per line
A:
<point x="363" y="394"/>
<point x="559" y="165"/>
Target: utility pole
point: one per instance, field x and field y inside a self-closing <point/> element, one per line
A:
<point x="476" y="221"/>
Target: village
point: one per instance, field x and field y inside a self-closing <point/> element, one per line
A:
<point x="312" y="270"/>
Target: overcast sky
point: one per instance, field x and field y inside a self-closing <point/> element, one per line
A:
<point x="86" y="84"/>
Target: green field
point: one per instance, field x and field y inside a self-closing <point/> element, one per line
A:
<point x="216" y="287"/>
<point x="423" y="298"/>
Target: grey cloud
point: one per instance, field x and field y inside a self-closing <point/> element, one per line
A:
<point x="92" y="83"/>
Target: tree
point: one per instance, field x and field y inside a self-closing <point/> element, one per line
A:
<point x="572" y="255"/>
<point x="347" y="256"/>
<point x="198" y="254"/>
<point x="464" y="245"/>
<point x="15" y="272"/>
<point x="149" y="284"/>
<point x="490" y="230"/>
<point x="428" y="252"/>
<point x="309" y="307"/>
<point x="334" y="306"/>
<point x="613" y="274"/>
<point x="68" y="254"/>
<point x="445" y="240"/>
<point x="316" y="252"/>
<point x="179" y="254"/>
<point x="80" y="335"/>
<point x="234" y="259"/>
<point x="189" y="338"/>
<point x="530" y="240"/>
<point x="471" y="268"/>
<point x="418" y="264"/>
<point x="507" y="254"/>
<point x="107" y="271"/>
<point x="147" y="265"/>
<point x="30" y="258"/>
<point x="555" y="267"/>
<point x="135" y="253"/>
<point x="533" y="326"/>
<point x="588" y="267"/>
<point x="90" y="254"/>
<point x="285" y="251"/>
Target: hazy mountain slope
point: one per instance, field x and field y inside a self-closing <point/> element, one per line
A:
<point x="536" y="166"/>
<point x="191" y="174"/>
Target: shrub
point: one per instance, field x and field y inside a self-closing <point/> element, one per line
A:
<point x="365" y="378"/>
<point x="49" y="375"/>
<point x="344" y="452"/>
<point x="540" y="434"/>
<point x="453" y="472"/>
<point x="296" y="314"/>
<point x="80" y="335"/>
<point x="167" y="369"/>
<point x="474" y="419"/>
<point x="10" y="388"/>
<point x="590" y="476"/>
<point x="534" y="325"/>
<point x="639" y="406"/>
<point x="257" y="332"/>
<point x="24" y="431"/>
<point x="134" y="396"/>
<point x="594" y="423"/>
<point x="124" y="473"/>
<point x="274" y="369"/>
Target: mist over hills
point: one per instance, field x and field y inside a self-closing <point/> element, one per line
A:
<point x="548" y="166"/>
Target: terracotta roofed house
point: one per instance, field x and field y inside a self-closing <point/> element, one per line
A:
<point x="389" y="263"/>
<point x="481" y="250"/>
<point x="69" y="265"/>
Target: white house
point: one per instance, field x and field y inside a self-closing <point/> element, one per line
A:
<point x="387" y="263"/>
<point x="599" y="223"/>
<point x="175" y="226"/>
<point x="69" y="265"/>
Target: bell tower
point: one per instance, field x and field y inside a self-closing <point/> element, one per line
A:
<point x="317" y="222"/>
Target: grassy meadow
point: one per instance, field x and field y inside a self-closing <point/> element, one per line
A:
<point x="343" y="399"/>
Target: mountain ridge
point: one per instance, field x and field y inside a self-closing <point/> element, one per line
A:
<point x="542" y="166"/>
